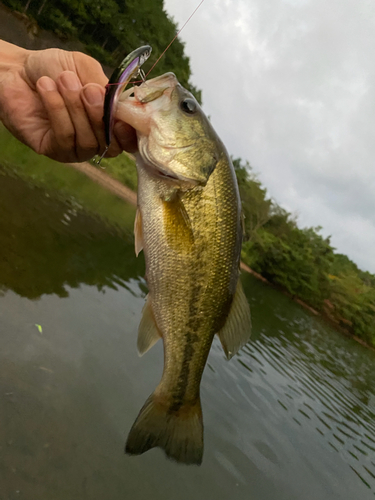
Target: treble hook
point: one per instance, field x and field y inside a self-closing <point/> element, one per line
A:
<point x="142" y="74"/>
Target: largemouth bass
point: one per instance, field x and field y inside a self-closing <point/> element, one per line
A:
<point x="189" y="225"/>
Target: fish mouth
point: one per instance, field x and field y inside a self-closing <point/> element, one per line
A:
<point x="139" y="97"/>
<point x="151" y="90"/>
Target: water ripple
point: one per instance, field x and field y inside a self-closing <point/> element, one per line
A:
<point x="320" y="386"/>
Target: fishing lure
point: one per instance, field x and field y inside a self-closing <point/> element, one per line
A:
<point x="129" y="69"/>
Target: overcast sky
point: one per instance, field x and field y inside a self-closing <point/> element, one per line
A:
<point x="290" y="86"/>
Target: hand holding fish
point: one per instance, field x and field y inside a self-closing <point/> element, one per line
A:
<point x="52" y="101"/>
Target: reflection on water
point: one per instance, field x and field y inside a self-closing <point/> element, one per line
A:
<point x="291" y="417"/>
<point x="47" y="245"/>
<point x="323" y="387"/>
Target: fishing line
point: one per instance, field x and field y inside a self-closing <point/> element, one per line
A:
<point x="170" y="43"/>
<point x="165" y="50"/>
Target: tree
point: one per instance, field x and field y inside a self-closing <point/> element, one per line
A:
<point x="255" y="206"/>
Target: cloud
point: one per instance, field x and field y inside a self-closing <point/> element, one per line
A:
<point x="289" y="85"/>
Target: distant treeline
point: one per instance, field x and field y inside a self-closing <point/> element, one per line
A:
<point x="110" y="29"/>
<point x="302" y="262"/>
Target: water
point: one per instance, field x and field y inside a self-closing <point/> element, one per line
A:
<point x="290" y="417"/>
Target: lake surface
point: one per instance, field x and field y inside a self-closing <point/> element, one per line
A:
<point x="291" y="417"/>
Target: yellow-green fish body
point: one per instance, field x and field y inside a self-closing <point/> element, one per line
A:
<point x="189" y="225"/>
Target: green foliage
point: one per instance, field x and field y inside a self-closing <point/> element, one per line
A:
<point x="41" y="171"/>
<point x="302" y="262"/>
<point x="299" y="261"/>
<point x="256" y="208"/>
<point x="15" y="4"/>
<point x="60" y="24"/>
<point x="352" y="292"/>
<point x="99" y="53"/>
<point x="354" y="303"/>
<point x="123" y="169"/>
<point x="342" y="264"/>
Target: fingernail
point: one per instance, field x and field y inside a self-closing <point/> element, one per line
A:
<point x="47" y="83"/>
<point x="93" y="95"/>
<point x="70" y="80"/>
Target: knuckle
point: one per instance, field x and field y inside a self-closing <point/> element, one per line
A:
<point x="80" y="57"/>
<point x="75" y="105"/>
<point x="55" y="102"/>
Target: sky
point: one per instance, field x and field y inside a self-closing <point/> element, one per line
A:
<point x="289" y="85"/>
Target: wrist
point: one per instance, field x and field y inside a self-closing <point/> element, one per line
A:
<point x="12" y="64"/>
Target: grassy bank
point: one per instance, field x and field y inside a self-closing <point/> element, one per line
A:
<point x="68" y="183"/>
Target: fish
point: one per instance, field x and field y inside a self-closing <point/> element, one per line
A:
<point x="189" y="225"/>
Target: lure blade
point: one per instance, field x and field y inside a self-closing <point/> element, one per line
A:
<point x="129" y="68"/>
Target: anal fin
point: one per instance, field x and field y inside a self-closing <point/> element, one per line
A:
<point x="237" y="329"/>
<point x="148" y="333"/>
<point x="138" y="234"/>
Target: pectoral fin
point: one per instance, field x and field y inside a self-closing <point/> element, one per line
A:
<point x="148" y="333"/>
<point x="138" y="234"/>
<point x="237" y="329"/>
<point x="177" y="225"/>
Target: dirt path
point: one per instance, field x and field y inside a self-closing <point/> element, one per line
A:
<point x="106" y="181"/>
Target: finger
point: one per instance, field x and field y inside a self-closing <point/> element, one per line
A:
<point x="92" y="96"/>
<point x="126" y="136"/>
<point x="86" y="144"/>
<point x="59" y="140"/>
<point x="88" y="69"/>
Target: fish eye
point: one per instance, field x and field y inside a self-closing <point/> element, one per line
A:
<point x="188" y="106"/>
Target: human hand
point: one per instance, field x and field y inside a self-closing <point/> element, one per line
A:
<point x="52" y="100"/>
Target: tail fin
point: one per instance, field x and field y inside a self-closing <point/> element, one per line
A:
<point x="179" y="433"/>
